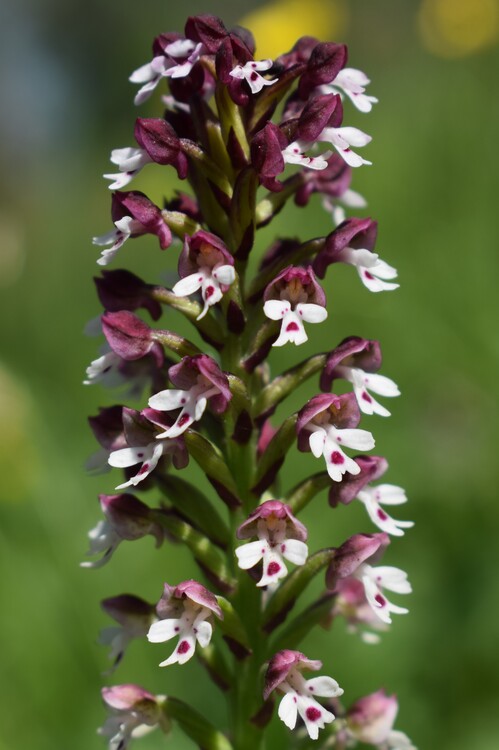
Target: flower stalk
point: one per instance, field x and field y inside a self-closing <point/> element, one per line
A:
<point x="247" y="136"/>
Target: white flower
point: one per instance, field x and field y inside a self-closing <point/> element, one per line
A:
<point x="399" y="741"/>
<point x="129" y="162"/>
<point x="384" y="494"/>
<point x="374" y="273"/>
<point x="292" y="328"/>
<point x="209" y="279"/>
<point x="379" y="578"/>
<point x="104" y="370"/>
<point x="271" y="548"/>
<point x="191" y="627"/>
<point x="327" y="441"/>
<point x="125" y="227"/>
<point x="363" y="382"/>
<point x="102" y="538"/>
<point x="192" y="402"/>
<point x="295" y="154"/>
<point x="300" y="700"/>
<point x="248" y="72"/>
<point x="147" y="455"/>
<point x="342" y="139"/>
<point x="150" y="74"/>
<point x="353" y="83"/>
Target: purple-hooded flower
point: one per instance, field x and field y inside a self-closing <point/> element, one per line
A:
<point x="205" y="264"/>
<point x="371" y="720"/>
<point x="186" y="612"/>
<point x="134" y="712"/>
<point x="249" y="73"/>
<point x="280" y="535"/>
<point x="326" y="425"/>
<point x="356" y="360"/>
<point x="144" y="447"/>
<point x="294" y="296"/>
<point x="354" y="558"/>
<point x="133" y="214"/>
<point x="134" y="617"/>
<point x="177" y="61"/>
<point x="352" y="82"/>
<point x="284" y="673"/>
<point x="126" y="518"/>
<point x="199" y="380"/>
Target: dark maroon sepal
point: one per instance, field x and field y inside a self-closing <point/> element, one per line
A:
<point x="139" y="207"/>
<point x="324" y="64"/>
<point x="123" y="290"/>
<point x="128" y="336"/>
<point x="355" y="233"/>
<point x="207" y="29"/>
<point x="353" y="351"/>
<point x="371" y="469"/>
<point x="158" y="138"/>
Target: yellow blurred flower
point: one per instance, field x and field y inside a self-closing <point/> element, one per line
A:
<point x="278" y="25"/>
<point x="456" y="28"/>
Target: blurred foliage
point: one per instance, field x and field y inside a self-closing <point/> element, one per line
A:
<point x="66" y="103"/>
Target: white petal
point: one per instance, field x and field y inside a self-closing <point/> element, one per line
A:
<point x="311" y="313"/>
<point x="324" y="687"/>
<point x="106" y="239"/>
<point x="385" y="271"/>
<point x="273" y="569"/>
<point x="360" y="257"/>
<point x="163" y="630"/>
<point x="292" y="331"/>
<point x="381" y="519"/>
<point x="224" y="274"/>
<point x="354" y="136"/>
<point x="180" y="48"/>
<point x="393" y="579"/>
<point x="351" y="158"/>
<point x="373" y="283"/>
<point x="295" y="551"/>
<point x="188" y="285"/>
<point x="288" y="710"/>
<point x="203" y="633"/>
<point x="125" y="457"/>
<point x="389" y="494"/>
<point x="119" y="179"/>
<point x="378" y="602"/>
<point x="352" y="199"/>
<point x="168" y="399"/>
<point x="143" y="74"/>
<point x="316" y="442"/>
<point x="368" y="404"/>
<point x="145" y="92"/>
<point x="248" y="555"/>
<point x="382" y="385"/>
<point x="360" y="440"/>
<point x="129" y="159"/>
<point x="276" y="309"/>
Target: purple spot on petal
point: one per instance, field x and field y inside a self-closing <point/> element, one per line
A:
<point x="183" y="647"/>
<point x="292" y="326"/>
<point x="337" y="458"/>
<point x="366" y="397"/>
<point x="183" y="400"/>
<point x="382" y="515"/>
<point x="273" y="568"/>
<point x="183" y="420"/>
<point x="313" y="714"/>
<point x="380" y="600"/>
<point x="368" y="275"/>
<point x="283" y="548"/>
<point x="209" y="291"/>
<point x="144" y="468"/>
<point x="140" y="455"/>
<point x="254" y="76"/>
<point x="177" y="629"/>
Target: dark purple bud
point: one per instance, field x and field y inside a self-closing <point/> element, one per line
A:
<point x="281" y="665"/>
<point x="107" y="427"/>
<point x="161" y="142"/>
<point x="371" y="469"/>
<point x="300" y="52"/>
<point x="190" y="370"/>
<point x="355" y="233"/>
<point x="129" y="337"/>
<point x="358" y="549"/>
<point x="126" y="697"/>
<point x="327" y="409"/>
<point x="139" y="207"/>
<point x="271" y="512"/>
<point x="122" y="290"/>
<point x="233" y="52"/>
<point x="130" y="518"/>
<point x="353" y="351"/>
<point x="324" y="64"/>
<point x="127" y="607"/>
<point x="266" y="155"/>
<point x="320" y="112"/>
<point x="297" y="285"/>
<point x="187" y="205"/>
<point x="207" y="29"/>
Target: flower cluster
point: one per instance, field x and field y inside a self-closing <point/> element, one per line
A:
<point x="246" y="136"/>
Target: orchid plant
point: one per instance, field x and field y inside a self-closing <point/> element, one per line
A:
<point x="231" y="125"/>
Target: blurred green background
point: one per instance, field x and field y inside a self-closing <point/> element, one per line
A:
<point x="66" y="102"/>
